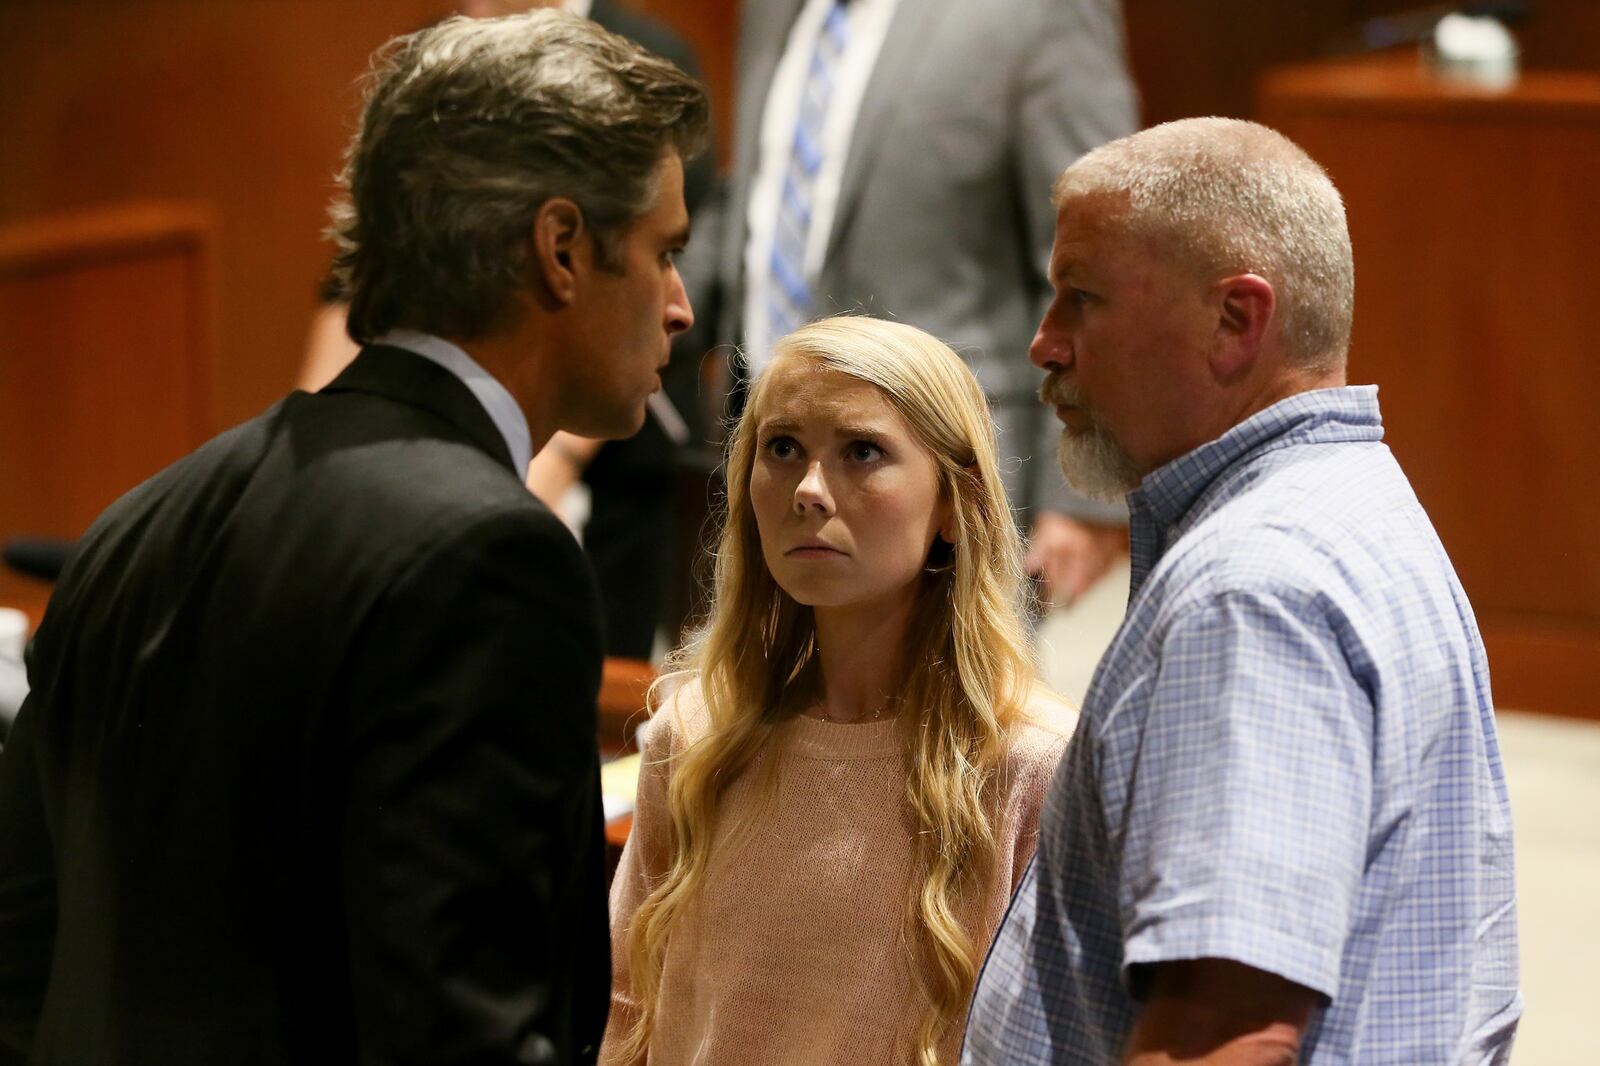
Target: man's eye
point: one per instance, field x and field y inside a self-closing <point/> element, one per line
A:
<point x="1078" y="297"/>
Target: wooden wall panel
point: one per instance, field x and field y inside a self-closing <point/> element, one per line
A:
<point x="1475" y="233"/>
<point x="1205" y="58"/>
<point x="105" y="355"/>
<point x="239" y="105"/>
<point x="712" y="29"/>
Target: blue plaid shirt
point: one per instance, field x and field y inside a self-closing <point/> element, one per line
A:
<point x="1287" y="758"/>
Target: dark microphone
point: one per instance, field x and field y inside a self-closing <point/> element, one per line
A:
<point x="40" y="557"/>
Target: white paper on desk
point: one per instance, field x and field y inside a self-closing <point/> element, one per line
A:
<point x="619" y="785"/>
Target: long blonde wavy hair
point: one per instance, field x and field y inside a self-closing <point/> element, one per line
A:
<point x="967" y="651"/>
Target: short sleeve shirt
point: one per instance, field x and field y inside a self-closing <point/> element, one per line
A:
<point x="1287" y="758"/>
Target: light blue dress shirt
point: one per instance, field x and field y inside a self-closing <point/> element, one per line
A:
<point x="1287" y="758"/>
<point x="496" y="399"/>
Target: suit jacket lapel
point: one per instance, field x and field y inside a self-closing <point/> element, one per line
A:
<point x="411" y="379"/>
<point x="909" y="28"/>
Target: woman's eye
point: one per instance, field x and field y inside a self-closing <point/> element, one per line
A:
<point x="781" y="448"/>
<point x="863" y="451"/>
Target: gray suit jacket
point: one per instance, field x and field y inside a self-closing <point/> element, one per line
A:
<point x="944" y="217"/>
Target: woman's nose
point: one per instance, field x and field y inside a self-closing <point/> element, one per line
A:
<point x="812" y="492"/>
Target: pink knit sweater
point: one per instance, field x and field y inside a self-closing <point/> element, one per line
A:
<point x="794" y="951"/>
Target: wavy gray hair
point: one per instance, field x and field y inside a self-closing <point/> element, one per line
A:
<point x="469" y="126"/>
<point x="1226" y="195"/>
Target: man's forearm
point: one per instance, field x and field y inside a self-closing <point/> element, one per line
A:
<point x="1215" y="1012"/>
<point x="1163" y="1043"/>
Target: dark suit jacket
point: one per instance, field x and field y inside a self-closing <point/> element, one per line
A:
<point x="308" y="773"/>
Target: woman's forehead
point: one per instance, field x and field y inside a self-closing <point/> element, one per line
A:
<point x="800" y="389"/>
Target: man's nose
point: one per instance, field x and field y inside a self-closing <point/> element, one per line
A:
<point x="812" y="492"/>
<point x="680" y="316"/>
<point x="1049" y="350"/>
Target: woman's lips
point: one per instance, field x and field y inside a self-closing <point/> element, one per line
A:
<point x="814" y="551"/>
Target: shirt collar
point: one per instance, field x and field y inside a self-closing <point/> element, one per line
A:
<point x="1159" y="509"/>
<point x="495" y="398"/>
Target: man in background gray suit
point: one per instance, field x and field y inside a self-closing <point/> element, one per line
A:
<point x="895" y="157"/>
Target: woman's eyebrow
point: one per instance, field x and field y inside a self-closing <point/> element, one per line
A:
<point x="869" y="430"/>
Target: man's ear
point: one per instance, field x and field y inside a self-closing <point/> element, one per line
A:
<point x="558" y="235"/>
<point x="1245" y="306"/>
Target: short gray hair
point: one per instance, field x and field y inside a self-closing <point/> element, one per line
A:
<point x="469" y="126"/>
<point x="1228" y="196"/>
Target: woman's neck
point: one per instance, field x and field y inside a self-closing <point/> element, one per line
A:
<point x="859" y="652"/>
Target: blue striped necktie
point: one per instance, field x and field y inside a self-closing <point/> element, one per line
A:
<point x="789" y="303"/>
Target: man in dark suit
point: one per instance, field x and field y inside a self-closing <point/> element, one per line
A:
<point x="308" y="770"/>
<point x="634" y="483"/>
<point x="632" y="534"/>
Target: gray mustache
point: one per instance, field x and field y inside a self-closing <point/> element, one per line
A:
<point x="1058" y="390"/>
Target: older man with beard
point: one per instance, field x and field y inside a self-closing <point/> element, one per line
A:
<point x="1280" y="833"/>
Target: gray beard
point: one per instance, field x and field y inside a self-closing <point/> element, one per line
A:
<point x="1096" y="465"/>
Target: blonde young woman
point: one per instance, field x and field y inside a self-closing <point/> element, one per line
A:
<point x="844" y="786"/>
